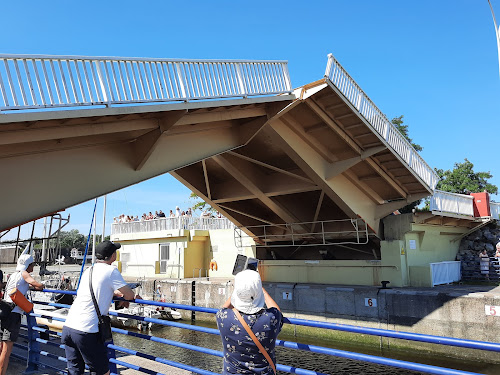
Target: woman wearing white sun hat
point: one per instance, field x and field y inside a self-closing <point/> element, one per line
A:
<point x="10" y="326"/>
<point x="244" y="354"/>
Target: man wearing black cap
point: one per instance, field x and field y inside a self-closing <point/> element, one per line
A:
<point x="80" y="334"/>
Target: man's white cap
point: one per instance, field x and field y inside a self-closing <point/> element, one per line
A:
<point x="248" y="296"/>
<point x="24" y="261"/>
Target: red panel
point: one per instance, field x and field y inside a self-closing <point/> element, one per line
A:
<point x="481" y="204"/>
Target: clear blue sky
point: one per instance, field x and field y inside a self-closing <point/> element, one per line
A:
<point x="435" y="62"/>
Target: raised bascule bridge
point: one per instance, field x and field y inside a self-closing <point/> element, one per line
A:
<point x="306" y="172"/>
<point x="311" y="174"/>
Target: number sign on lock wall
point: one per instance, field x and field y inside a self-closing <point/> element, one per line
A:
<point x="371" y="302"/>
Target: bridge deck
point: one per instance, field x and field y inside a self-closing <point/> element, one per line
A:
<point x="323" y="152"/>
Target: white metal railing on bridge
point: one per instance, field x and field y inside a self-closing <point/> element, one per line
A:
<point x="445" y="272"/>
<point x="36" y="81"/>
<point x="357" y="97"/>
<point x="495" y="210"/>
<point x="170" y="223"/>
<point x="459" y="204"/>
<point x="312" y="233"/>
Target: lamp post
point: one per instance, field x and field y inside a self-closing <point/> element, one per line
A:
<point x="497" y="32"/>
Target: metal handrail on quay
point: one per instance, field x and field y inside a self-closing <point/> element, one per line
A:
<point x="34" y="340"/>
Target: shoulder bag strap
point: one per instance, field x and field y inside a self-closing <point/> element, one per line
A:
<point x="99" y="317"/>
<point x="255" y="340"/>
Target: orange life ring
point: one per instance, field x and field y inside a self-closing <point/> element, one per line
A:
<point x="213" y="264"/>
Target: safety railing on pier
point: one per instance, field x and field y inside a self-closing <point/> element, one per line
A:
<point x="45" y="81"/>
<point x="445" y="272"/>
<point x="495" y="210"/>
<point x="379" y="122"/>
<point x="459" y="204"/>
<point x="171" y="223"/>
<point x="53" y="346"/>
<point x="471" y="269"/>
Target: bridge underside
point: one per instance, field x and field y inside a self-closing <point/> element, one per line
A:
<point x="296" y="172"/>
<point x="56" y="159"/>
<point x="316" y="160"/>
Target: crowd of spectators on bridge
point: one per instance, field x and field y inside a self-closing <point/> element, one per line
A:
<point x="160" y="214"/>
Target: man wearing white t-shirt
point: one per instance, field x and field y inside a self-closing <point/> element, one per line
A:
<point x="80" y="334"/>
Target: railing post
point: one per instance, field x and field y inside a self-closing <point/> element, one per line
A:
<point x="358" y="102"/>
<point x="112" y="355"/>
<point x="33" y="346"/>
<point x="410" y="157"/>
<point x="387" y="131"/>
<point x="193" y="300"/>
<point x="101" y="81"/>
<point x="240" y="80"/>
<point x="181" y="80"/>
<point x="329" y="65"/>
<point x="287" y="78"/>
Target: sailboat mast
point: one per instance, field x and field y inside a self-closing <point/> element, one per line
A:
<point x="93" y="238"/>
<point x="104" y="218"/>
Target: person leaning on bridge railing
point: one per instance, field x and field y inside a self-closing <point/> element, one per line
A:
<point x="80" y="335"/>
<point x="10" y="325"/>
<point x="241" y="353"/>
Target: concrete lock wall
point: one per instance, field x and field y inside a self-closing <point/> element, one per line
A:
<point x="453" y="314"/>
<point x="368" y="272"/>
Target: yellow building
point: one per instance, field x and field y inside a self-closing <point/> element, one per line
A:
<point x="178" y="248"/>
<point x="417" y="249"/>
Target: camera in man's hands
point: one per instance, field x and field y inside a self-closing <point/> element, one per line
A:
<point x="243" y="262"/>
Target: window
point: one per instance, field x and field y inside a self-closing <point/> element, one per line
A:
<point x="164" y="256"/>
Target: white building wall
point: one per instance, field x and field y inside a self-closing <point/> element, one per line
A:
<point x="140" y="252"/>
<point x="225" y="250"/>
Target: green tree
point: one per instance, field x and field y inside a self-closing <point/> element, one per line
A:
<point x="403" y="129"/>
<point x="72" y="239"/>
<point x="463" y="180"/>
<point x="200" y="204"/>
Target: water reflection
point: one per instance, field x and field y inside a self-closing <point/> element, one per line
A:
<point x="294" y="358"/>
<point x="316" y="362"/>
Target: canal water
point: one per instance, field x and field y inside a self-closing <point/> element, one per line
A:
<point x="301" y="359"/>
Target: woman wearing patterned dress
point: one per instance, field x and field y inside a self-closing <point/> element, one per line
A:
<point x="241" y="354"/>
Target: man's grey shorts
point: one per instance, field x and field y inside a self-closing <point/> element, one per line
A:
<point x="10" y="327"/>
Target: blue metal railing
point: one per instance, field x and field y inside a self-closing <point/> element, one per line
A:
<point x="34" y="340"/>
